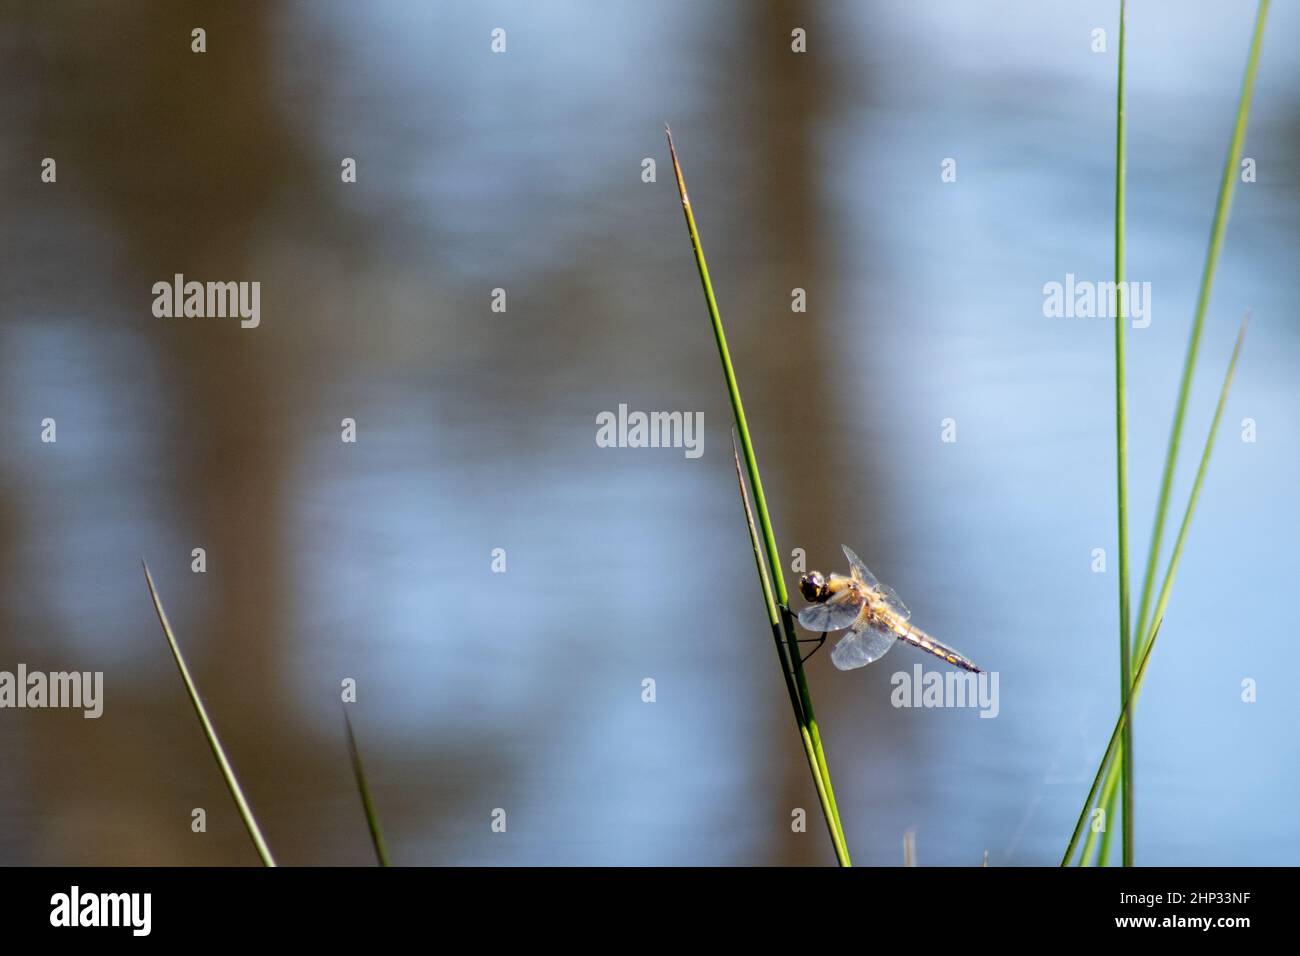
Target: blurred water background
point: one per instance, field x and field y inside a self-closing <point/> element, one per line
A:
<point x="522" y="171"/>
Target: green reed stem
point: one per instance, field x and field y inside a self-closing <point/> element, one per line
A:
<point x="1223" y="207"/>
<point x="806" y="713"/>
<point x="837" y="838"/>
<point x="1125" y="755"/>
<point x="1166" y="588"/>
<point x="363" y="788"/>
<point x="1218" y="228"/>
<point x="1112" y="753"/>
<point x="245" y="813"/>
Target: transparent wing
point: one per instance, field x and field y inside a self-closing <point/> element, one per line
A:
<point x="881" y="594"/>
<point x="858" y="569"/>
<point x="885" y="595"/>
<point x="833" y="615"/>
<point x="861" y="647"/>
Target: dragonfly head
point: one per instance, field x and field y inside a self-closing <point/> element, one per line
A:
<point x="813" y="586"/>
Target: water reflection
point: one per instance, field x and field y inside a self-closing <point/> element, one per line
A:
<point x="476" y="429"/>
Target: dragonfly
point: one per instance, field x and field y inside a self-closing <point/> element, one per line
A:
<point x="873" y="613"/>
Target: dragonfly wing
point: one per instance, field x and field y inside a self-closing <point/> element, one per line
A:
<point x="858" y="569"/>
<point x="861" y="647"/>
<point x="833" y="615"/>
<point x="880" y="593"/>
<point x="885" y="595"/>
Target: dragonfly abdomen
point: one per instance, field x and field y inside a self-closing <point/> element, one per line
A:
<point x="918" y="638"/>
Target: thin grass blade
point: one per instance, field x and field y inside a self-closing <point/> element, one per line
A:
<point x="1222" y="208"/>
<point x="1108" y="768"/>
<point x="241" y="804"/>
<point x="1218" y="228"/>
<point x="1125" y="755"/>
<point x="1112" y="749"/>
<point x="806" y="712"/>
<point x="363" y="788"/>
<point x="774" y="620"/>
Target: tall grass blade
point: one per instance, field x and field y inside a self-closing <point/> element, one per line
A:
<point x="774" y="620"/>
<point x="1222" y="208"/>
<point x="765" y="582"/>
<point x="1162" y="602"/>
<point x="1218" y="228"/>
<point x="1121" y="450"/>
<point x="1108" y="766"/>
<point x="806" y="713"/>
<point x="245" y="813"/>
<point x="1112" y="749"/>
<point x="363" y="788"/>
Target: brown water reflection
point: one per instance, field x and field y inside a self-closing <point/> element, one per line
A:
<point x="371" y="561"/>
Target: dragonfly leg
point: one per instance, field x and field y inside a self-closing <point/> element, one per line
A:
<point x="820" y="641"/>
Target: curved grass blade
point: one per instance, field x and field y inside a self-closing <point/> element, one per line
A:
<point x="806" y="715"/>
<point x="1111" y="752"/>
<point x="1217" y="230"/>
<point x="1224" y="205"/>
<point x="1166" y="588"/>
<point x="245" y="813"/>
<point x="363" y="788"/>
<point x="765" y="582"/>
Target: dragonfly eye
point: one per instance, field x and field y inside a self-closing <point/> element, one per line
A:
<point x="812" y="585"/>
